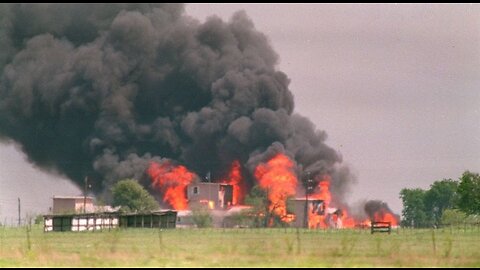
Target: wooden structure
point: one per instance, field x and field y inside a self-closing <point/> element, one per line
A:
<point x="381" y="226"/>
<point x="160" y="219"/>
<point x="80" y="222"/>
<point x="102" y="221"/>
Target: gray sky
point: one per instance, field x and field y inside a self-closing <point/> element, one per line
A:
<point x="395" y="86"/>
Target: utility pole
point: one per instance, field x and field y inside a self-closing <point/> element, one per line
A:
<point x="19" y="212"/>
<point x="307" y="189"/>
<point x="267" y="210"/>
<point x="85" y="195"/>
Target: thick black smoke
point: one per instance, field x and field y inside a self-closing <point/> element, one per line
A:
<point x="101" y="90"/>
<point x="379" y="208"/>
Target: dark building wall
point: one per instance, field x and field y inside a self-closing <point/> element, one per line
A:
<point x="205" y="192"/>
<point x="299" y="210"/>
<point x="153" y="220"/>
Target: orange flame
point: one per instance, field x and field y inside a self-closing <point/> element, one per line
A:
<point x="350" y="222"/>
<point x="277" y="177"/>
<point x="322" y="192"/>
<point x="384" y="216"/>
<point x="341" y="218"/>
<point x="172" y="181"/>
<point x="235" y="179"/>
<point x="337" y="219"/>
<point x="315" y="220"/>
<point x="347" y="221"/>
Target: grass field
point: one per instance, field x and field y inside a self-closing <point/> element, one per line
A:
<point x="240" y="248"/>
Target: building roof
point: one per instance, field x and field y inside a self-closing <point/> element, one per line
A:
<point x="237" y="209"/>
<point x="208" y="183"/>
<point x="72" y="197"/>
<point x="182" y="213"/>
<point x="304" y="199"/>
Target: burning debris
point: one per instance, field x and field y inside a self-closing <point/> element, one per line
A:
<point x="131" y="90"/>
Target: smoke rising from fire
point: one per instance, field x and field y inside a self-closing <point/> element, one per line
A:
<point x="379" y="211"/>
<point x="103" y="90"/>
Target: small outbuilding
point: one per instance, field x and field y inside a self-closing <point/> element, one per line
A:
<point x="102" y="221"/>
<point x="156" y="219"/>
<point x="72" y="204"/>
<point x="80" y="222"/>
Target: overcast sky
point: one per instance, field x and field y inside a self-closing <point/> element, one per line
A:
<point x="395" y="86"/>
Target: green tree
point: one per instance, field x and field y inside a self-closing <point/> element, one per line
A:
<point x="201" y="216"/>
<point x="263" y="215"/>
<point x="257" y="198"/>
<point x="453" y="217"/>
<point x="131" y="196"/>
<point x="440" y="196"/>
<point x="413" y="213"/>
<point x="469" y="193"/>
<point x="38" y="219"/>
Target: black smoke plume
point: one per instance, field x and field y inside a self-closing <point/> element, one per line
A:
<point x="379" y="208"/>
<point x="102" y="89"/>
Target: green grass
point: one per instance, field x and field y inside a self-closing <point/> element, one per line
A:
<point x="240" y="248"/>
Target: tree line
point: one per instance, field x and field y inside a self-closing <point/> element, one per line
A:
<point x="447" y="201"/>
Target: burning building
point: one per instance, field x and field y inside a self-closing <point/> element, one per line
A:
<point x="212" y="195"/>
<point x="145" y="91"/>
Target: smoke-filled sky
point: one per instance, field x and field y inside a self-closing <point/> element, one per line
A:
<point x="394" y="87"/>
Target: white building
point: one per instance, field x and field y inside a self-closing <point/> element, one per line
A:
<point x="72" y="204"/>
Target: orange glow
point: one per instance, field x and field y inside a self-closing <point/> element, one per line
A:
<point x="338" y="219"/>
<point x="322" y="192"/>
<point x="235" y="179"/>
<point x="278" y="178"/>
<point x="384" y="216"/>
<point x="211" y="204"/>
<point x="316" y="221"/>
<point x="350" y="222"/>
<point x="172" y="181"/>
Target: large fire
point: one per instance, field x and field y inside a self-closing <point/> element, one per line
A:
<point x="172" y="181"/>
<point x="317" y="219"/>
<point x="235" y="179"/>
<point x="339" y="218"/>
<point x="385" y="216"/>
<point x="278" y="179"/>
